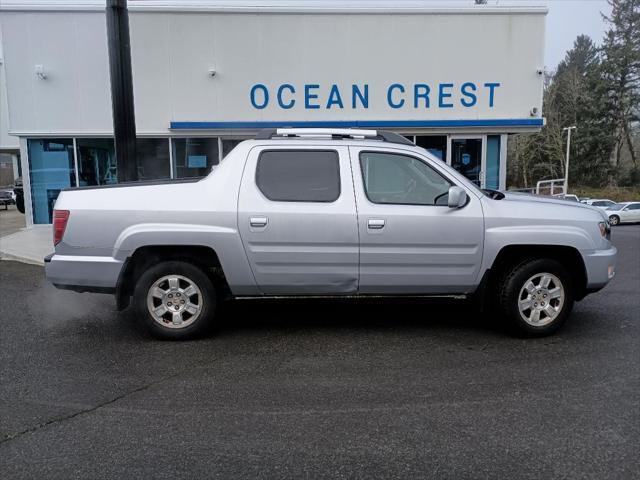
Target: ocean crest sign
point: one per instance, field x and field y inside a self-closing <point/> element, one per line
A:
<point x="314" y="96"/>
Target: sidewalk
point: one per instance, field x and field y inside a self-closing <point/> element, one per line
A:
<point x="29" y="245"/>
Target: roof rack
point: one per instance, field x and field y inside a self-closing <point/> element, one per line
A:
<point x="334" y="133"/>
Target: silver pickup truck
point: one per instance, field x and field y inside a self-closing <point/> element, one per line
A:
<point x="297" y="212"/>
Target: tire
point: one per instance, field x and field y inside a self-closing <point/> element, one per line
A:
<point x="614" y="219"/>
<point x="20" y="203"/>
<point x="548" y="308"/>
<point x="175" y="285"/>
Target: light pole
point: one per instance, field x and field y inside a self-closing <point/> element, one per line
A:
<point x="566" y="163"/>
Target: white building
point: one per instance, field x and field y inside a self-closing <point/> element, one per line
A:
<point x="208" y="73"/>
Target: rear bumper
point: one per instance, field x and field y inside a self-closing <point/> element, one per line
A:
<point x="600" y="267"/>
<point x="83" y="273"/>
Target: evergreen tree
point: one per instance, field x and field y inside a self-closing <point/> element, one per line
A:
<point x="621" y="72"/>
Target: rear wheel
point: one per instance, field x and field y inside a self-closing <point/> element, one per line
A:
<point x="614" y="219"/>
<point x="175" y="300"/>
<point x="536" y="297"/>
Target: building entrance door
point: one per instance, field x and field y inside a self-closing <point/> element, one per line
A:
<point x="467" y="157"/>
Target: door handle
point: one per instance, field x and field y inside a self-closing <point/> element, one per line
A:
<point x="375" y="223"/>
<point x="258" y="221"/>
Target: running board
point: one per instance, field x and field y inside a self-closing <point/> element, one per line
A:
<point x="353" y="297"/>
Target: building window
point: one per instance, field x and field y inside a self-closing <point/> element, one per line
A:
<point x="96" y="161"/>
<point x="466" y="157"/>
<point x="435" y="145"/>
<point x="229" y="144"/>
<point x="299" y="175"/>
<point x="153" y="158"/>
<point x="194" y="157"/>
<point x="390" y="178"/>
<point x="51" y="168"/>
<point x="492" y="178"/>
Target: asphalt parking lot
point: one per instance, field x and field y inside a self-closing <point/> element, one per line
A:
<point x="347" y="389"/>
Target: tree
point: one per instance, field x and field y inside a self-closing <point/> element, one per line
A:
<point x="621" y="72"/>
<point x="574" y="94"/>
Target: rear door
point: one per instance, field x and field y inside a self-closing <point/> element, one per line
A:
<point x="410" y="240"/>
<point x="297" y="220"/>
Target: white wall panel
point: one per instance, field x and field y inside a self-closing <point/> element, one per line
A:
<point x="172" y="52"/>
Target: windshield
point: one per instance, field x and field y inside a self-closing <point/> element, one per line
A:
<point x="616" y="206"/>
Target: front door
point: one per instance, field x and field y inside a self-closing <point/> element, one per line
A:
<point x="467" y="158"/>
<point x="297" y="220"/>
<point x="631" y="213"/>
<point x="410" y="240"/>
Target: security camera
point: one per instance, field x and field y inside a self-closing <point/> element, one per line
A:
<point x="534" y="111"/>
<point x="212" y="72"/>
<point x="540" y="71"/>
<point x="40" y="72"/>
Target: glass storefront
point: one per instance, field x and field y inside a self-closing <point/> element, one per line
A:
<point x="434" y="144"/>
<point x="492" y="177"/>
<point x="229" y="144"/>
<point x="194" y="157"/>
<point x="96" y="161"/>
<point x="51" y="168"/>
<point x="52" y="163"/>
<point x="466" y="157"/>
<point x="153" y="158"/>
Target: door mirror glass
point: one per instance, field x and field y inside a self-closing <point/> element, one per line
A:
<point x="457" y="197"/>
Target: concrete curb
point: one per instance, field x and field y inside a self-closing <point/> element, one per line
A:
<point x="28" y="245"/>
<point x="20" y="258"/>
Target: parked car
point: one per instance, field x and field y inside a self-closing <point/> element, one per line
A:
<point x="602" y="203"/>
<point x="626" y="212"/>
<point x="6" y="198"/>
<point x="297" y="213"/>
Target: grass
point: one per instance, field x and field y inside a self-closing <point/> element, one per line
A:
<point x="618" y="194"/>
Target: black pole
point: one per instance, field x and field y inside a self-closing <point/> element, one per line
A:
<point x="124" y="121"/>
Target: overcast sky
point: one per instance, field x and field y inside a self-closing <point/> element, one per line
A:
<point x="566" y="20"/>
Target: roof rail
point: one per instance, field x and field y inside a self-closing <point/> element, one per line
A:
<point x="334" y="133"/>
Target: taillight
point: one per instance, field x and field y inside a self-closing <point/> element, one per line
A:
<point x="60" y="218"/>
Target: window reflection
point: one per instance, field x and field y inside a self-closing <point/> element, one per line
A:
<point x="51" y="168"/>
<point x="194" y="157"/>
<point x="96" y="161"/>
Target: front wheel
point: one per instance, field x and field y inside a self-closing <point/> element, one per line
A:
<point x="614" y="219"/>
<point x="536" y="297"/>
<point x="175" y="300"/>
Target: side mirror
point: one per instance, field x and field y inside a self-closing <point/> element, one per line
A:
<point x="457" y="197"/>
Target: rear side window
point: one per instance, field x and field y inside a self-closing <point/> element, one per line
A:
<point x="299" y="175"/>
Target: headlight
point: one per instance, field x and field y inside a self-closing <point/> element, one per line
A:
<point x="605" y="230"/>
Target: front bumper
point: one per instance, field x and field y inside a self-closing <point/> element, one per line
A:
<point x="600" y="266"/>
<point x="83" y="273"/>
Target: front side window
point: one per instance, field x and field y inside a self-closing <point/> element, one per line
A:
<point x="400" y="179"/>
<point x="634" y="206"/>
<point x="299" y="175"/>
